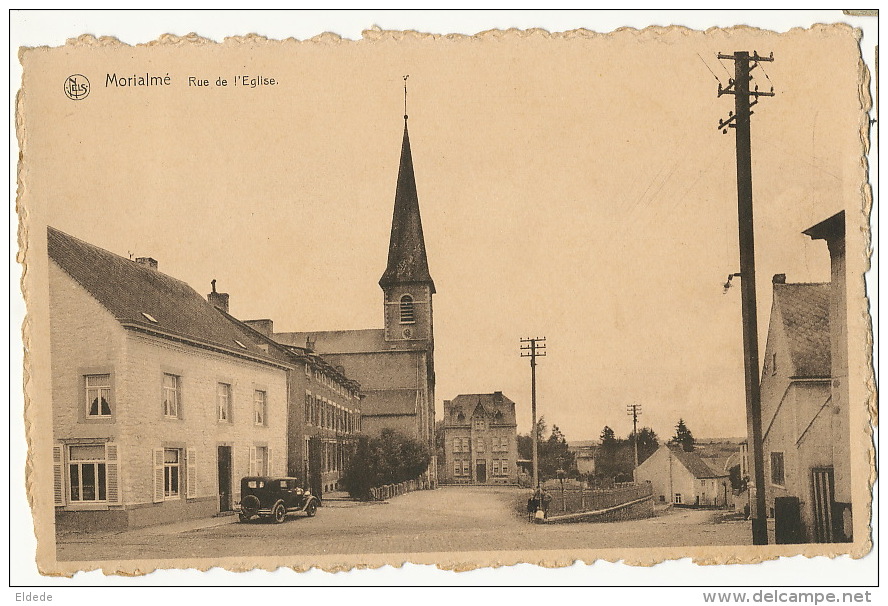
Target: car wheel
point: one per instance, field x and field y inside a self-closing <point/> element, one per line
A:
<point x="279" y="513"/>
<point x="312" y="509"/>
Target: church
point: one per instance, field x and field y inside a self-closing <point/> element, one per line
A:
<point x="395" y="364"/>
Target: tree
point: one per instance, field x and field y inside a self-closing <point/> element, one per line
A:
<point x="683" y="437"/>
<point x="737" y="482"/>
<point x="553" y="452"/>
<point x="647" y="443"/>
<point x="388" y="458"/>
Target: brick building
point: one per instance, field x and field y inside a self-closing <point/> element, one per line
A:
<point x="805" y="417"/>
<point x="480" y="440"/>
<point x="325" y="413"/>
<point x="394" y="364"/>
<point x="160" y="402"/>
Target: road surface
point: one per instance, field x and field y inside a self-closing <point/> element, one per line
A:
<point x="448" y="519"/>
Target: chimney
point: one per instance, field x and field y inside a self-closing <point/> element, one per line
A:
<point x="779" y="279"/>
<point x="310" y="343"/>
<point x="266" y="327"/>
<point x="498" y="397"/>
<point x="147" y="262"/>
<point x="218" y="299"/>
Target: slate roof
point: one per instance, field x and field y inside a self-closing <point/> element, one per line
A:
<point x="338" y="341"/>
<point x="407" y="260"/>
<point x="129" y="290"/>
<point x="696" y="465"/>
<point x="489" y="402"/>
<point x="804" y="311"/>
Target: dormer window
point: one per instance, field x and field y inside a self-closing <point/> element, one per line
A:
<point x="407" y="312"/>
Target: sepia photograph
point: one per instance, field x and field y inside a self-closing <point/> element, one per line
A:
<point x="517" y="296"/>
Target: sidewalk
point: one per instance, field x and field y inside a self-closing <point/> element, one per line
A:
<point x="155" y="530"/>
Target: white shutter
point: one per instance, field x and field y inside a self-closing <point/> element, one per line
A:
<point x="252" y="461"/>
<point x="157" y="453"/>
<point x="58" y="474"/>
<point x="112" y="473"/>
<point x="190" y="473"/>
<point x="268" y="466"/>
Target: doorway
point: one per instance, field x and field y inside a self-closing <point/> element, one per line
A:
<point x="824" y="504"/>
<point x="481" y="472"/>
<point x="224" y="464"/>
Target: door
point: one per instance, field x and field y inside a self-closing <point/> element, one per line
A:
<point x="824" y="501"/>
<point x="224" y="464"/>
<point x="481" y="472"/>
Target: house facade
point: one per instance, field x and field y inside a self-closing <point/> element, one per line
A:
<point x="480" y="440"/>
<point x="683" y="478"/>
<point x="805" y="415"/>
<point x="393" y="364"/>
<point x="325" y="414"/>
<point x="160" y="403"/>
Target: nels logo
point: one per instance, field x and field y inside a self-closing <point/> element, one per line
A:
<point x="77" y="87"/>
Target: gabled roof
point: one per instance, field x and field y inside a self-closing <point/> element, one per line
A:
<point x="694" y="464"/>
<point x="804" y="311"/>
<point x="407" y="254"/>
<point x="337" y="341"/>
<point x="487" y="403"/>
<point x="135" y="294"/>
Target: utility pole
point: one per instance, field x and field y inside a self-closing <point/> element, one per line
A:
<point x="634" y="411"/>
<point x="533" y="348"/>
<point x="739" y="121"/>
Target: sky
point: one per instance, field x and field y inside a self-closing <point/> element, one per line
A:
<point x="575" y="188"/>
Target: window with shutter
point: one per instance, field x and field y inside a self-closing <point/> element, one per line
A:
<point x="191" y="473"/>
<point x="58" y="474"/>
<point x="112" y="469"/>
<point x="268" y="461"/>
<point x="252" y="461"/>
<point x="157" y="454"/>
<point x="87" y="473"/>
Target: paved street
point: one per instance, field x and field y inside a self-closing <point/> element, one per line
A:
<point x="447" y="519"/>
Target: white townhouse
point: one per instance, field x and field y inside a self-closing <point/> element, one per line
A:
<point x="161" y="402"/>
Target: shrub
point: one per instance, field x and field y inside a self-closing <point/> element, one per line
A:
<point x="388" y="458"/>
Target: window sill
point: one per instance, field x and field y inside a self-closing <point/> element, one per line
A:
<point x="102" y="506"/>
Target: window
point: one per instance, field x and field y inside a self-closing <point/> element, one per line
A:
<point x="677" y="498"/>
<point x="306" y="412"/>
<point x="457" y="445"/>
<point x="777" y="470"/>
<point x="261" y="468"/>
<point x="479" y="446"/>
<point x="223" y="402"/>
<point x="457" y="468"/>
<point x="465" y="445"/>
<point x="407" y="313"/>
<point x="496" y="467"/>
<point x="172" y="473"/>
<point x="171" y="393"/>
<point x="98" y="395"/>
<point x="465" y="466"/>
<point x="87" y="473"/>
<point x="504" y="467"/>
<point x="259" y="407"/>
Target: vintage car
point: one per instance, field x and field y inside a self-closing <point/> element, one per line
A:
<point x="269" y="497"/>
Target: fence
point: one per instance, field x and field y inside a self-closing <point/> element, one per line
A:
<point x="387" y="491"/>
<point x="578" y="502"/>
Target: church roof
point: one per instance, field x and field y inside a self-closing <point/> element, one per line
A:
<point x="337" y="341"/>
<point x="144" y="298"/>
<point x="407" y="262"/>
<point x="804" y="311"/>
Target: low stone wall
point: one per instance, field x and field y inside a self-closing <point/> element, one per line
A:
<point x="383" y="493"/>
<point x="634" y="510"/>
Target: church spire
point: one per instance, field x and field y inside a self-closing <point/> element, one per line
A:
<point x="407" y="261"/>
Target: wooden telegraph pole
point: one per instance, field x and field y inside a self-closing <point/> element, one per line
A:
<point x="739" y="121"/>
<point x="533" y="348"/>
<point x="634" y="410"/>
